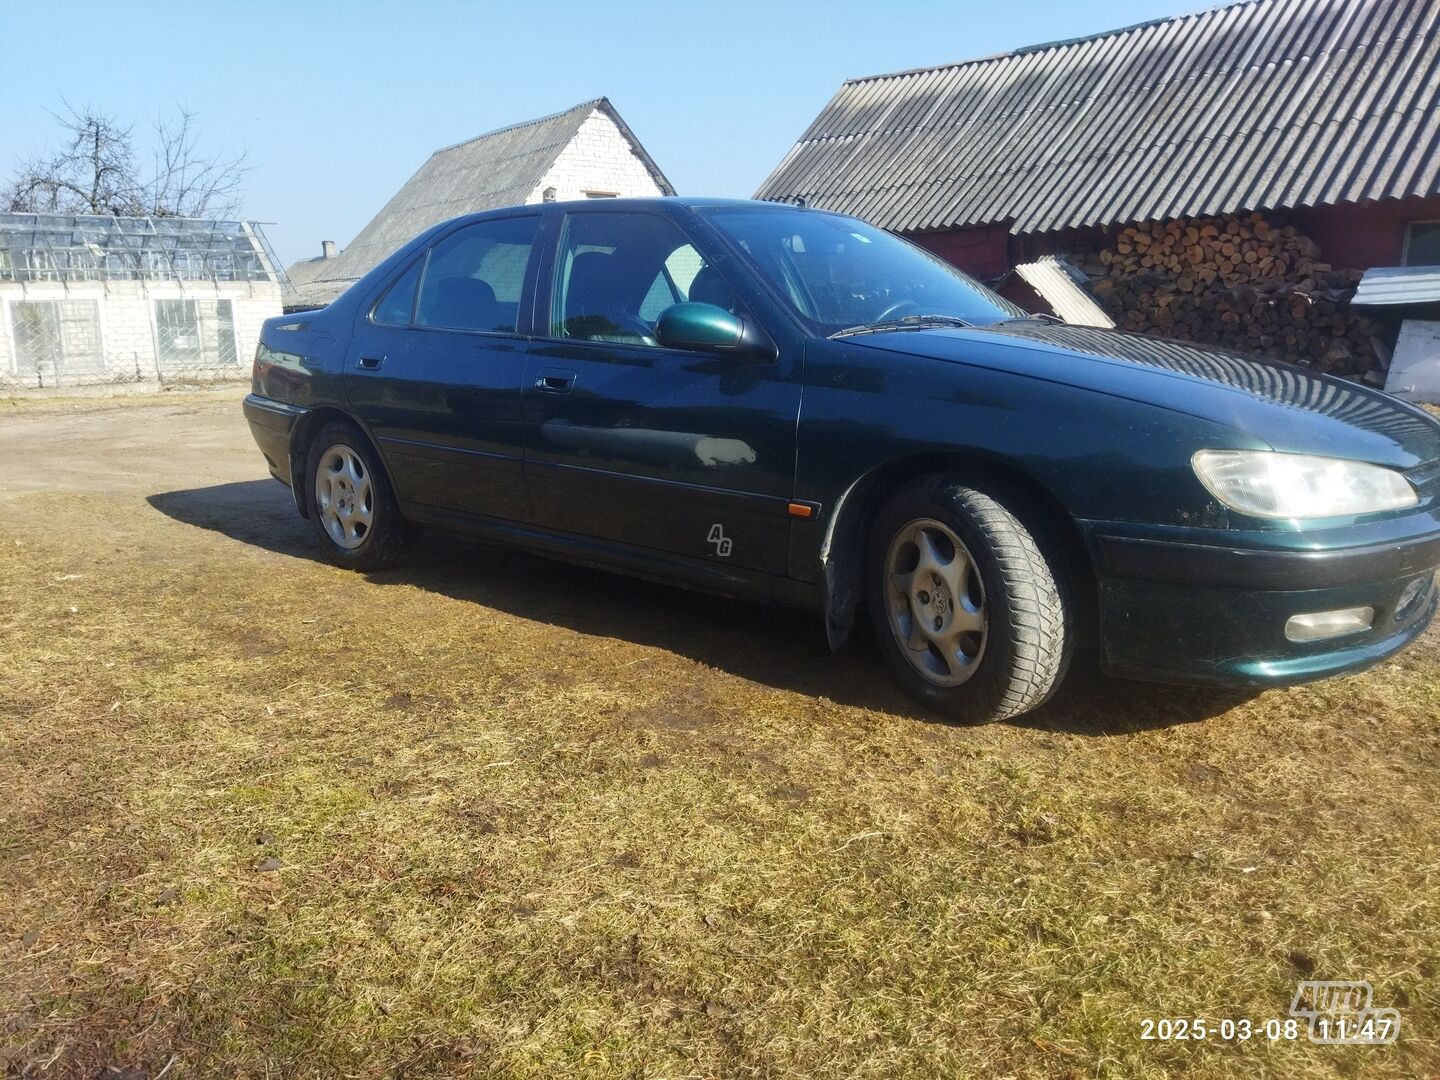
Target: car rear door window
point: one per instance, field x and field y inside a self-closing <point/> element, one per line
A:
<point x="397" y="306"/>
<point x="474" y="277"/>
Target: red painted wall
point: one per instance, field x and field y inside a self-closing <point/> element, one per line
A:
<point x="1358" y="236"/>
<point x="983" y="251"/>
<point x="1351" y="237"/>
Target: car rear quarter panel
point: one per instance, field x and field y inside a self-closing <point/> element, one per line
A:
<point x="299" y="360"/>
<point x="296" y="380"/>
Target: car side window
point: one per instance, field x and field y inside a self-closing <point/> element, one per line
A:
<point x="397" y="306"/>
<point x="473" y="278"/>
<point x="662" y="294"/>
<point x="672" y="283"/>
<point x="616" y="272"/>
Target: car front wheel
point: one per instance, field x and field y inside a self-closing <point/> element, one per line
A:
<point x="969" y="613"/>
<point x="352" y="505"/>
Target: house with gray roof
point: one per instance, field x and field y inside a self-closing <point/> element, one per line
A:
<point x="1323" y="112"/>
<point x="587" y="151"/>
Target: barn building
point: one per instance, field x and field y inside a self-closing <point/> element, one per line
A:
<point x="587" y="151"/>
<point x="1302" y="134"/>
<point x="92" y="299"/>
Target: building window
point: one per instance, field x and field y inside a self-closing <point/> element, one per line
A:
<point x="195" y="335"/>
<point x="602" y="194"/>
<point x="1422" y="243"/>
<point x="55" y="338"/>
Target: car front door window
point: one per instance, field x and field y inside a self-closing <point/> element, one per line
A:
<point x="616" y="273"/>
<point x="659" y="448"/>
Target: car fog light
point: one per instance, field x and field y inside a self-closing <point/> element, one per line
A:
<point x="1328" y="624"/>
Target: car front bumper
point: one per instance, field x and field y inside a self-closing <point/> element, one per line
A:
<point x="1193" y="606"/>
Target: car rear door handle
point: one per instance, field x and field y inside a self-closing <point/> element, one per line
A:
<point x="370" y="363"/>
<point x="555" y="381"/>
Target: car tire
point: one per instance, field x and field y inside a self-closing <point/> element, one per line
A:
<point x="352" y="505"/>
<point x="969" y="613"/>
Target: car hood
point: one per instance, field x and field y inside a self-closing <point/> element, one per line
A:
<point x="1283" y="405"/>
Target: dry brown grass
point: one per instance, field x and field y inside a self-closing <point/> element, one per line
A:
<point x="104" y="398"/>
<point x="494" y="815"/>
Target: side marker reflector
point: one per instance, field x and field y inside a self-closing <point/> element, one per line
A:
<point x="801" y="510"/>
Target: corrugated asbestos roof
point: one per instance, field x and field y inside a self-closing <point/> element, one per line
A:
<point x="305" y="272"/>
<point x="501" y="168"/>
<point x="1399" y="285"/>
<point x="1257" y="105"/>
<point x="1063" y="287"/>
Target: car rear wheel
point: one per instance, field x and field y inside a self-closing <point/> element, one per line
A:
<point x="970" y="615"/>
<point x="352" y="505"/>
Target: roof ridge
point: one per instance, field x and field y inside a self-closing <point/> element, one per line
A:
<point x="593" y="103"/>
<point x="129" y="217"/>
<point x="1026" y="50"/>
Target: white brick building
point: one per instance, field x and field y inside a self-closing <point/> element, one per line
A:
<point x="584" y="152"/>
<point x="91" y="299"/>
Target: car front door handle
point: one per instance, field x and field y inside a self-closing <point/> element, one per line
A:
<point x="370" y="363"/>
<point x="555" y="382"/>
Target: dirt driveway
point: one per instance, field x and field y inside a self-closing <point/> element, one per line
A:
<point x="493" y="815"/>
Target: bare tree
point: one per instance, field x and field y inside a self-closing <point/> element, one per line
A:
<point x="92" y="173"/>
<point x="185" y="182"/>
<point x="95" y="172"/>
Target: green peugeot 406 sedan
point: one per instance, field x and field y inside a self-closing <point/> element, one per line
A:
<point x="790" y="405"/>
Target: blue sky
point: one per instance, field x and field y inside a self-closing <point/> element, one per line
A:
<point x="336" y="104"/>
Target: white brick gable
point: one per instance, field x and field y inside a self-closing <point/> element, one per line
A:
<point x="598" y="159"/>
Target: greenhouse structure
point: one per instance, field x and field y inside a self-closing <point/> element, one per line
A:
<point x="87" y="299"/>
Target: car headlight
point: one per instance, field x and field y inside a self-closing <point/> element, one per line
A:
<point x="1267" y="484"/>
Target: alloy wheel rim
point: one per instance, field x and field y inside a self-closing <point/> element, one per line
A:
<point x="935" y="601"/>
<point x="344" y="496"/>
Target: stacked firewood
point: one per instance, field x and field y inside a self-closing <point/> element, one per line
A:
<point x="1238" y="282"/>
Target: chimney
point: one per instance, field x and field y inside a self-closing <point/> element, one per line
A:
<point x="327" y="249"/>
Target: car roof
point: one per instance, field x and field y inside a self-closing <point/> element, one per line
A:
<point x="693" y="202"/>
<point x="661" y="202"/>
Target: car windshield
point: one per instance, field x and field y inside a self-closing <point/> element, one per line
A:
<point x="839" y="274"/>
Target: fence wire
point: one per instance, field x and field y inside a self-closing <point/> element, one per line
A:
<point x="55" y="344"/>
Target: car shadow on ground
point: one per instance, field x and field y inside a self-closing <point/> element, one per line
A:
<point x="774" y="646"/>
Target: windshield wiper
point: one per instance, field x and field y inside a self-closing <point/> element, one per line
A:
<point x="909" y="322"/>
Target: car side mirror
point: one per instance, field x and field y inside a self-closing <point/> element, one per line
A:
<point x="710" y="328"/>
